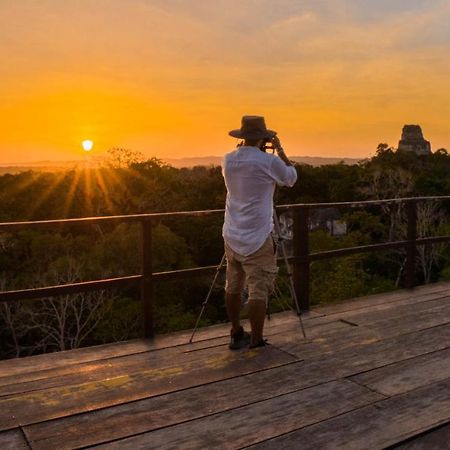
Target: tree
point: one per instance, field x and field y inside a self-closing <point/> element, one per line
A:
<point x="430" y="218"/>
<point x="55" y="324"/>
<point x="120" y="158"/>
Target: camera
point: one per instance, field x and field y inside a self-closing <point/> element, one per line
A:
<point x="267" y="145"/>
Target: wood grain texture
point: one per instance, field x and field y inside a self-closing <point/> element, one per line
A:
<point x="407" y="375"/>
<point x="382" y="309"/>
<point x="13" y="440"/>
<point x="242" y="426"/>
<point x="169" y="392"/>
<point x="161" y="411"/>
<point x="178" y="340"/>
<point x="84" y="365"/>
<point x="84" y="372"/>
<point x="376" y="426"/>
<point x="62" y="401"/>
<point x="363" y="335"/>
<point x="371" y="355"/>
<point x="419" y="293"/>
<point x="141" y="416"/>
<point x="436" y="439"/>
<point x="395" y="309"/>
<point x="61" y="359"/>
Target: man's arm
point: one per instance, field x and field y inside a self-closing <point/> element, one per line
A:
<point x="280" y="151"/>
<point x="283" y="170"/>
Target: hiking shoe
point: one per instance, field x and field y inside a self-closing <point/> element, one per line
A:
<point x="260" y="343"/>
<point x="239" y="339"/>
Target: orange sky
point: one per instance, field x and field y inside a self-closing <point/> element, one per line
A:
<point x="170" y="78"/>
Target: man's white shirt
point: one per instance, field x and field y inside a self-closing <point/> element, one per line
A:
<point x="250" y="177"/>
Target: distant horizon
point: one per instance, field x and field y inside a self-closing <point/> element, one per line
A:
<point x="95" y="153"/>
<point x="182" y="158"/>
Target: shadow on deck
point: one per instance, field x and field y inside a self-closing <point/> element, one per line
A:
<point x="373" y="372"/>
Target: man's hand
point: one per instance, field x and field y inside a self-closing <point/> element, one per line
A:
<point x="280" y="152"/>
<point x="276" y="144"/>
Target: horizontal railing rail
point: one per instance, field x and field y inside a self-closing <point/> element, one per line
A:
<point x="301" y="258"/>
<point x="13" y="226"/>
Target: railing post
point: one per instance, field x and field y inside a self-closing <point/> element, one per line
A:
<point x="301" y="252"/>
<point x="411" y="208"/>
<point x="147" y="279"/>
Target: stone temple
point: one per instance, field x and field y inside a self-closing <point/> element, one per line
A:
<point x="412" y="141"/>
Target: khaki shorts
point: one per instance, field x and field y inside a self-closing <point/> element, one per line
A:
<point x="258" y="270"/>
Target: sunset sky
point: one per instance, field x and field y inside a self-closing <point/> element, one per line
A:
<point x="170" y="78"/>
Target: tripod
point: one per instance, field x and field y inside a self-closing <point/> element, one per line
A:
<point x="289" y="273"/>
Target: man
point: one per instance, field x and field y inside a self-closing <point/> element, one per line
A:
<point x="250" y="176"/>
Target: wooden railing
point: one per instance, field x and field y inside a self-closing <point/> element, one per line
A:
<point x="301" y="258"/>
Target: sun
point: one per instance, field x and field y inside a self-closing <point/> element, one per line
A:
<point x="87" y="145"/>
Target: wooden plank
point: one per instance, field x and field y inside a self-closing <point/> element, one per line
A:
<point x="13" y="440"/>
<point x="262" y="420"/>
<point x="16" y="366"/>
<point x="385" y="323"/>
<point x="376" y="426"/>
<point x="313" y="330"/>
<point x="166" y="410"/>
<point x="436" y="439"/>
<point x="169" y="409"/>
<point x="96" y="353"/>
<point x="84" y="429"/>
<point x="90" y="371"/>
<point x="407" y="304"/>
<point x="412" y="320"/>
<point x="383" y="309"/>
<point x="378" y="354"/>
<point x="361" y="336"/>
<point x="96" y="371"/>
<point x="422" y="293"/>
<point x="33" y="367"/>
<point x="325" y="337"/>
<point x="407" y="375"/>
<point x="66" y="400"/>
<point x="142" y="390"/>
<point x="367" y="317"/>
<point x="382" y="325"/>
<point x="370" y="353"/>
<point x="13" y="367"/>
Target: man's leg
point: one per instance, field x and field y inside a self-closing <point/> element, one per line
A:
<point x="261" y="270"/>
<point x="233" y="303"/>
<point x="235" y="279"/>
<point x="257" y="315"/>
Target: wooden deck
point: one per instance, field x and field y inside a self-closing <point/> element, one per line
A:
<point x="373" y="372"/>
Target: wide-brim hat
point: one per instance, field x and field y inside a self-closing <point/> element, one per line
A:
<point x="253" y="127"/>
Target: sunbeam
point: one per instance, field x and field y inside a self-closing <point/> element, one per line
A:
<point x="71" y="192"/>
<point x="59" y="178"/>
<point x="101" y="184"/>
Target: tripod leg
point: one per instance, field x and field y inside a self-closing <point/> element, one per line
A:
<point x="219" y="268"/>
<point x="288" y="269"/>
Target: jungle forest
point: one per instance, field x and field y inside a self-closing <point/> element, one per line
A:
<point x="128" y="183"/>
